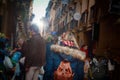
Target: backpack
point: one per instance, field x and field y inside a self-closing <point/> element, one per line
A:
<point x="64" y="71"/>
<point x="16" y="56"/>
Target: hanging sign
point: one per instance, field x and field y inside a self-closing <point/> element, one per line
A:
<point x="77" y="16"/>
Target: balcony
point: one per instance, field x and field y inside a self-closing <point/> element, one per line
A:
<point x="57" y="3"/>
<point x="49" y="6"/>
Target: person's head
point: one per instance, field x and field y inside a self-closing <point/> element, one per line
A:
<point x="49" y="38"/>
<point x="34" y="29"/>
<point x="20" y="41"/>
<point x="55" y="40"/>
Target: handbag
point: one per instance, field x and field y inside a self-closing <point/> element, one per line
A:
<point x="7" y="62"/>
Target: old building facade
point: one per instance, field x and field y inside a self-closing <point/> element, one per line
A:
<point x="96" y="27"/>
<point x="15" y="17"/>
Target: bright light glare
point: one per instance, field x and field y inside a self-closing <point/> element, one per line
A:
<point x="36" y="21"/>
<point x="39" y="9"/>
<point x="39" y="23"/>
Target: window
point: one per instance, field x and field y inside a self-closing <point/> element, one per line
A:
<point x="115" y="7"/>
<point x="73" y="24"/>
<point x="92" y="13"/>
<point x="83" y="18"/>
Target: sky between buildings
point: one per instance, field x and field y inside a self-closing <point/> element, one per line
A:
<point x="39" y="9"/>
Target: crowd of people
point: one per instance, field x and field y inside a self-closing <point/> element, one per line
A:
<point x="41" y="58"/>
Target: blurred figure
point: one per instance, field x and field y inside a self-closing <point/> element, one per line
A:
<point x="49" y="41"/>
<point x="16" y="53"/>
<point x="86" y="68"/>
<point x="64" y="52"/>
<point x="34" y="51"/>
<point x="3" y="53"/>
<point x="84" y="48"/>
<point x="98" y="68"/>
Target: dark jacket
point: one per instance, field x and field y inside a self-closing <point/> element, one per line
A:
<point x="34" y="51"/>
<point x="54" y="60"/>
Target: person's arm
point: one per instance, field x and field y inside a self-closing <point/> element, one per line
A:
<point x="24" y="48"/>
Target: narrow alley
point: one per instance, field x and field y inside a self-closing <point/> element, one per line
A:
<point x="59" y="39"/>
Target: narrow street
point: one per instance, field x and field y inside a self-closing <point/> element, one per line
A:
<point x="59" y="39"/>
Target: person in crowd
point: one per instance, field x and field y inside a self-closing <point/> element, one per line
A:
<point x="17" y="47"/>
<point x="3" y="52"/>
<point x="34" y="52"/>
<point x="84" y="48"/>
<point x="49" y="41"/>
<point x="111" y="63"/>
<point x="86" y="67"/>
<point x="18" y="58"/>
<point x="60" y="53"/>
<point x="98" y="68"/>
